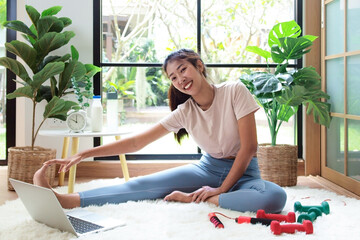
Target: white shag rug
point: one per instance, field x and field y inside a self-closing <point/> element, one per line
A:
<point x="157" y="220"/>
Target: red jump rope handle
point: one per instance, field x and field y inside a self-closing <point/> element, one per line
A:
<point x="215" y="220"/>
<point x="290" y="217"/>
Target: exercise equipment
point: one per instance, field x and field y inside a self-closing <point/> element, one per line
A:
<point x="251" y="220"/>
<point x="215" y="220"/>
<point x="311" y="215"/>
<point x="278" y="228"/>
<point x="324" y="207"/>
<point x="289" y="218"/>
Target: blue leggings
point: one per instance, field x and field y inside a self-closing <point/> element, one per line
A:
<point x="250" y="193"/>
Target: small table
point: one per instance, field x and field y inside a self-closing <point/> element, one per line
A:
<point x="66" y="134"/>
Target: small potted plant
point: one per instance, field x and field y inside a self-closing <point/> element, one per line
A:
<point x="50" y="80"/>
<point x="280" y="92"/>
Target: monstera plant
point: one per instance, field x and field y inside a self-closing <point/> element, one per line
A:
<point x="280" y="91"/>
<point x="42" y="76"/>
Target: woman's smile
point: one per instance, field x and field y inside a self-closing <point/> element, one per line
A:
<point x="188" y="86"/>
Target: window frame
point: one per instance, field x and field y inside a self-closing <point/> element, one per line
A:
<point x="11" y="8"/>
<point x="97" y="48"/>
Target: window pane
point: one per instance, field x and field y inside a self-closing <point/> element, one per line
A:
<point x="334" y="27"/>
<point x="286" y="132"/>
<point x="354" y="149"/>
<point x="229" y="26"/>
<point x="335" y="145"/>
<point x="146" y="31"/>
<point x="2" y="84"/>
<point x="353" y="30"/>
<point x="353" y="85"/>
<point x="142" y="102"/>
<point x="335" y="84"/>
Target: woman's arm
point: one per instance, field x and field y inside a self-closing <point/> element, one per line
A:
<point x="248" y="141"/>
<point x="125" y="145"/>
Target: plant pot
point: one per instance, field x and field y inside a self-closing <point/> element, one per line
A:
<point x="278" y="163"/>
<point x="23" y="162"/>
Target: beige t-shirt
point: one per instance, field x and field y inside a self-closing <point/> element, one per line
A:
<point x="215" y="130"/>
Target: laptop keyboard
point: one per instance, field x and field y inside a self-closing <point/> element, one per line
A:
<point x="82" y="226"/>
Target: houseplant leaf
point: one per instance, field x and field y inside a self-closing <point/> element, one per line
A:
<point x="308" y="77"/>
<point x="24" y="51"/>
<point x="52" y="41"/>
<point x="19" y="26"/>
<point x="72" y="69"/>
<point x="43" y="93"/>
<point x="282" y="30"/>
<point x="320" y="111"/>
<point x="290" y="48"/>
<point x="49" y="24"/>
<point x="26" y="91"/>
<point x="255" y="49"/>
<point x="58" y="108"/>
<point x="74" y="53"/>
<point x="51" y="11"/>
<point x="292" y="96"/>
<point x="66" y="21"/>
<point x="34" y="15"/>
<point x="91" y="70"/>
<point x="16" y="67"/>
<point x="47" y="72"/>
<point x="265" y="85"/>
<point x="286" y="112"/>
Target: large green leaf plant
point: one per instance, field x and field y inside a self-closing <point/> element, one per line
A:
<point x="51" y="75"/>
<point x="280" y="92"/>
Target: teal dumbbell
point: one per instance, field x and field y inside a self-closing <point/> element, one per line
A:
<point x="325" y="208"/>
<point x="311" y="215"/>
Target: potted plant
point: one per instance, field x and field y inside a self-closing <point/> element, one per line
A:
<point x="280" y="92"/>
<point x="50" y="80"/>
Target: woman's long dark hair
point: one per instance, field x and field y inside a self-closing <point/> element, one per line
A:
<point x="175" y="96"/>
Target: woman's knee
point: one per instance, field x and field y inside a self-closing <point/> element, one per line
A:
<point x="276" y="196"/>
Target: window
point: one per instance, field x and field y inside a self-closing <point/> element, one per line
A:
<point x="2" y="83"/>
<point x="7" y="109"/>
<point x="136" y="36"/>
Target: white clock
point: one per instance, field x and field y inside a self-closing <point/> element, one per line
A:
<point x="76" y="120"/>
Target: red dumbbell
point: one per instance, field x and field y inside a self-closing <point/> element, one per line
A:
<point x="277" y="228"/>
<point x="290" y="217"/>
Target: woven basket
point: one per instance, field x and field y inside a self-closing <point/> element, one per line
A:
<point x="24" y="162"/>
<point x="278" y="163"/>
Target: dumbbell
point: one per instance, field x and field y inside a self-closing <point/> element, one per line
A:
<point x="323" y="208"/>
<point x="290" y="217"/>
<point x="311" y="215"/>
<point x="277" y="228"/>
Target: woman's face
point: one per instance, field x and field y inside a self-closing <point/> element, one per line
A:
<point x="184" y="76"/>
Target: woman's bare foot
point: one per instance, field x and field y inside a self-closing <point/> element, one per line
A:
<point x="39" y="178"/>
<point x="178" y="196"/>
<point x="68" y="201"/>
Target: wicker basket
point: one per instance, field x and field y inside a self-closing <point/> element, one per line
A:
<point x="278" y="163"/>
<point x="24" y="162"/>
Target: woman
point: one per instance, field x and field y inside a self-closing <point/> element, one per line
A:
<point x="221" y="121"/>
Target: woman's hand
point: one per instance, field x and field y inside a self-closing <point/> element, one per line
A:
<point x="65" y="164"/>
<point x="204" y="193"/>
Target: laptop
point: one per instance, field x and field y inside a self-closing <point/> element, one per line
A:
<point x="44" y="207"/>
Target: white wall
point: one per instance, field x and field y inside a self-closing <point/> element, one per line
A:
<point x="81" y="14"/>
